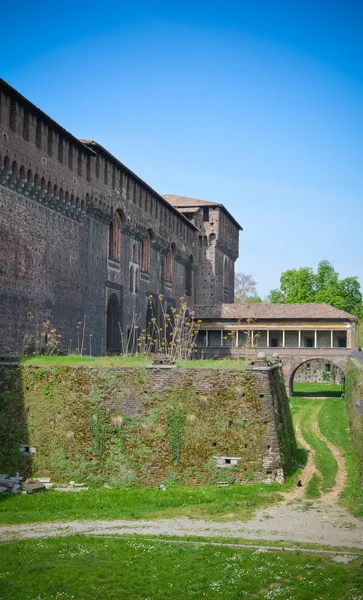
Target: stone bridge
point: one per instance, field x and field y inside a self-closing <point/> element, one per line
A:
<point x="293" y="358"/>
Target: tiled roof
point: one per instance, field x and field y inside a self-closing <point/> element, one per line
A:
<point x="182" y="202"/>
<point x="270" y="312"/>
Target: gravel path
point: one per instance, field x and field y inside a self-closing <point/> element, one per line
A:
<point x="328" y="525"/>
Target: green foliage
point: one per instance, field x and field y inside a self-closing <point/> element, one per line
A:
<point x="313" y="488"/>
<point x="175" y="419"/>
<point x="98" y="426"/>
<point x="303" y="286"/>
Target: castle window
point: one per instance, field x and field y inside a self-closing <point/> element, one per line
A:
<point x="225" y="273"/>
<point x="105" y="173"/>
<point x="134" y="253"/>
<point x="50" y="142"/>
<point x="26" y="125"/>
<point x="97" y="166"/>
<point x="80" y="163"/>
<point x="88" y="168"/>
<point x="189" y="276"/>
<point x="60" y="149"/>
<point x="70" y="157"/>
<point x="38" y="134"/>
<point x="145" y="253"/>
<point x="114" y="238"/>
<point x="113" y="176"/>
<point x="131" y="278"/>
<point x="205" y="213"/>
<point x="12" y="115"/>
<point x="134" y="279"/>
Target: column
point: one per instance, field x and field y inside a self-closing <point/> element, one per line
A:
<point x="236" y="338"/>
<point x="207" y="338"/>
<point x="268" y="338"/>
<point x="315" y="338"/>
<point x="283" y="338"/>
<point x="331" y="339"/>
<point x="252" y="338"/>
<point x="221" y="338"/>
<point x="299" y="338"/>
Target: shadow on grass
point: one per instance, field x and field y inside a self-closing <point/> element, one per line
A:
<point x="323" y="394"/>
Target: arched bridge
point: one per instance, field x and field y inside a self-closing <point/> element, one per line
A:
<point x="293" y="358"/>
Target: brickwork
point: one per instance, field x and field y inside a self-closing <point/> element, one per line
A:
<point x="58" y="198"/>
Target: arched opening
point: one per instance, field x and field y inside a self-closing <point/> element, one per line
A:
<point x="113" y="336"/>
<point x="169" y="263"/>
<point x="114" y="238"/>
<point x="317" y="377"/>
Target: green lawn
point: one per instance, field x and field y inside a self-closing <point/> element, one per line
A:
<point x="126" y="361"/>
<point x="208" y="502"/>
<point x="91" y="568"/>
<point x="305" y="390"/>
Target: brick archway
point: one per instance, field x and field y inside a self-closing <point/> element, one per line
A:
<point x="291" y="362"/>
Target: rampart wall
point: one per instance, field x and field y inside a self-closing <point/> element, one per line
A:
<point x="146" y="426"/>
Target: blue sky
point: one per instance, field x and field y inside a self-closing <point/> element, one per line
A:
<point x="255" y="104"/>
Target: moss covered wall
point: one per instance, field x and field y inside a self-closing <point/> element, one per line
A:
<point x="353" y="393"/>
<point x="144" y="426"/>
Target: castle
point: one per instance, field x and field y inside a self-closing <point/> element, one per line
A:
<point x="82" y="235"/>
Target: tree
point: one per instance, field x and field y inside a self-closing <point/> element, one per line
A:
<point x="245" y="289"/>
<point x="304" y="286"/>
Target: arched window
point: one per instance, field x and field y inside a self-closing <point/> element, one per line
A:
<point x="189" y="276"/>
<point x="145" y="253"/>
<point x="114" y="238"/>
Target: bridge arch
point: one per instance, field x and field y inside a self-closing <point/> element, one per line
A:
<point x="290" y="366"/>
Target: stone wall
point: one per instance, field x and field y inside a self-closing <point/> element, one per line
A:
<point x="319" y="371"/>
<point x="58" y="196"/>
<point x="146" y="426"/>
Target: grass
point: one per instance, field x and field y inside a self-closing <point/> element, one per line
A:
<point x="313" y="488"/>
<point x="332" y="419"/>
<point x="318" y="389"/>
<point x="334" y="425"/>
<point x="208" y="502"/>
<point x="137" y="360"/>
<point x="306" y="415"/>
<point x="113" y="568"/>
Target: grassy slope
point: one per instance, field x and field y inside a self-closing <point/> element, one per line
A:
<point x="334" y="425"/>
<point x="99" y="568"/>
